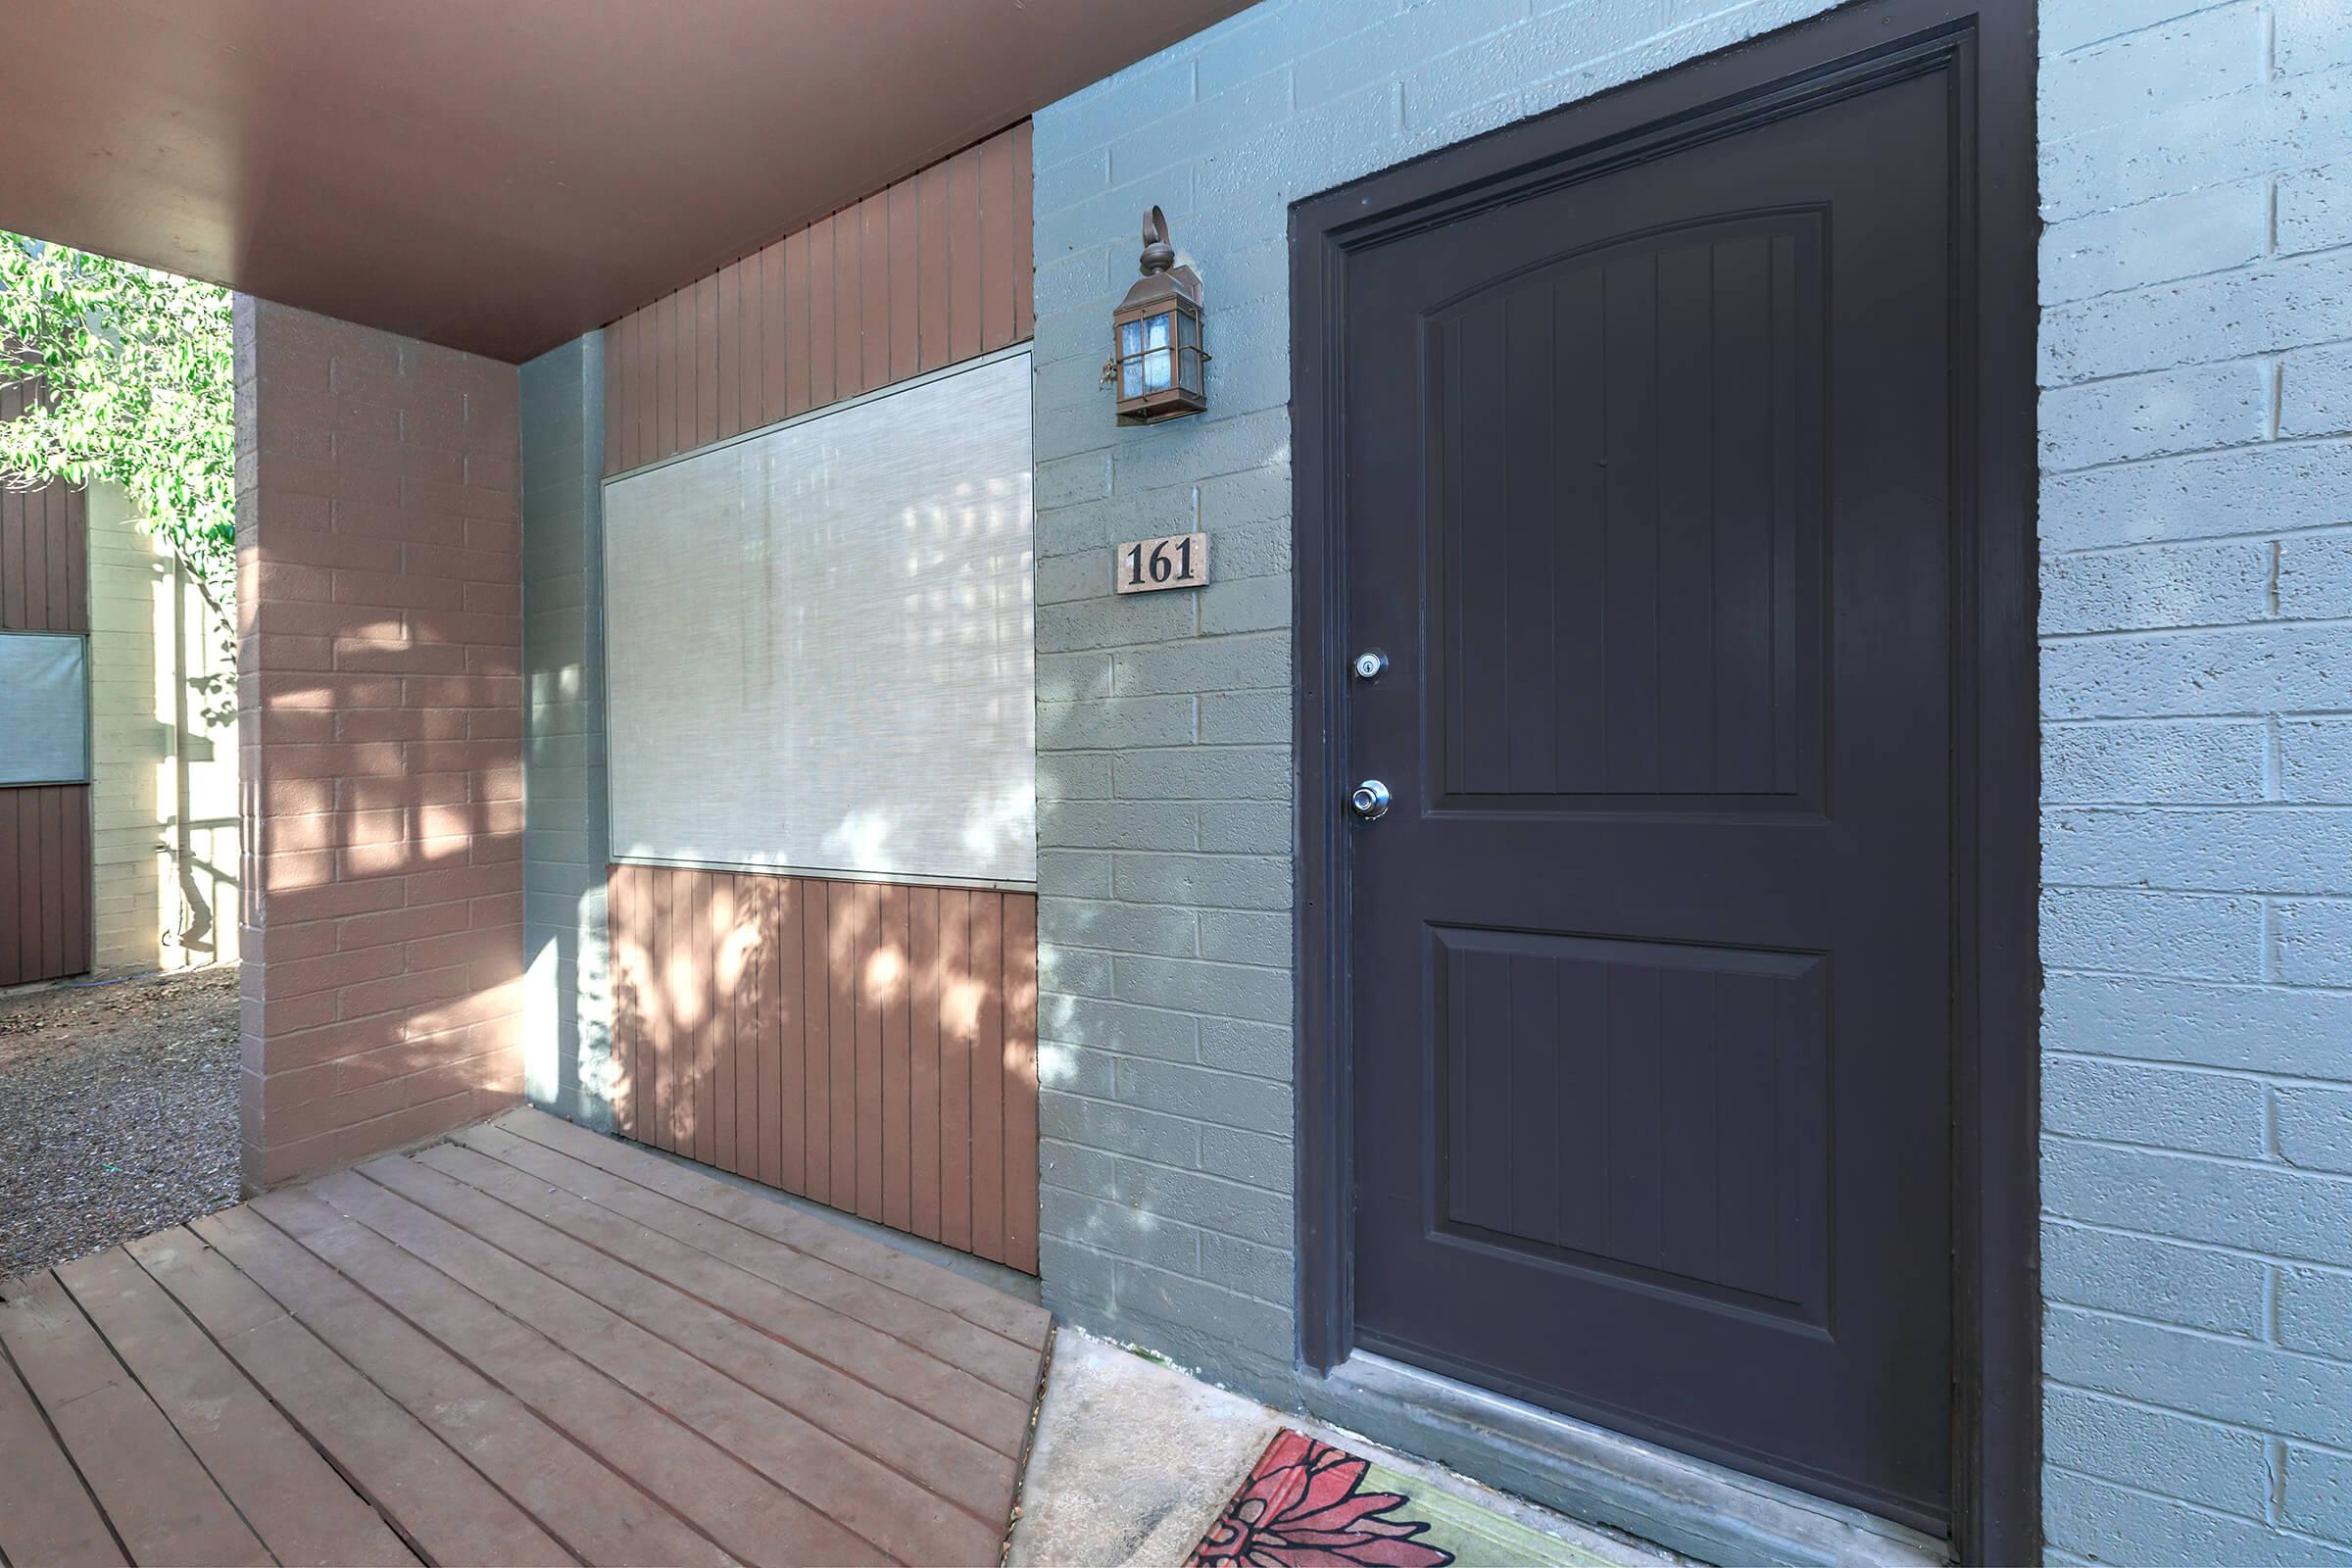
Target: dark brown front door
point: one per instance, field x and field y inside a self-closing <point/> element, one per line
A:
<point x="1650" y="491"/>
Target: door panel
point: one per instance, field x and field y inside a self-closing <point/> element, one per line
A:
<point x="1649" y="502"/>
<point x="1570" y="1131"/>
<point x="1670" y="648"/>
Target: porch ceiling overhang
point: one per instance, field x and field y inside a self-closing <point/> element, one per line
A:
<point x="499" y="176"/>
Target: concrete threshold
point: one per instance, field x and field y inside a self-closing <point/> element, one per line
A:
<point x="1688" y="1506"/>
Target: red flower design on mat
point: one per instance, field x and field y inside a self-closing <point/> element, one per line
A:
<point x="1299" y="1510"/>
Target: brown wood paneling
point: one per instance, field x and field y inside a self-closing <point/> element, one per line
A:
<point x="1024" y="172"/>
<point x="729" y="368"/>
<point x="44" y="882"/>
<point x="905" y="245"/>
<point x="663" y="318"/>
<point x="958" y="1008"/>
<point x="922" y="1061"/>
<point x="997" y="226"/>
<point x="1020" y="1083"/>
<point x="727" y="995"/>
<point x="849" y="302"/>
<point x="821" y="379"/>
<point x="816" y="1064"/>
<point x="964" y="255"/>
<point x="784" y="298"/>
<point x="750" y="328"/>
<point x="931" y="267"/>
<point x="45" y="928"/>
<point x="988" y="1079"/>
<point x="845" y="948"/>
<point x="706" y="361"/>
<point x="44" y="550"/>
<point x="873" y="295"/>
<point x="645" y="377"/>
<point x="871" y="1046"/>
<point x="920" y="275"/>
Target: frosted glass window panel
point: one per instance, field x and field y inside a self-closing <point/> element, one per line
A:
<point x="44" y="708"/>
<point x="820" y="643"/>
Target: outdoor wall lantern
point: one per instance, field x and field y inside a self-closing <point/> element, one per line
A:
<point x="1156" y="357"/>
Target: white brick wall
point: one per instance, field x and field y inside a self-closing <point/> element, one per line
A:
<point x="2196" y="626"/>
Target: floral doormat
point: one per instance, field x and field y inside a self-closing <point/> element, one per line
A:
<point x="1307" y="1504"/>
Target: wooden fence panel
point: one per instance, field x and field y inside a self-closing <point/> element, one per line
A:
<point x="871" y="1046"/>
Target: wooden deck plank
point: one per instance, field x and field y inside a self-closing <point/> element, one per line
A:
<point x="569" y="1494"/>
<point x="744" y="1513"/>
<point x="433" y="1496"/>
<point x="851" y="1501"/>
<point x="1025" y="1323"/>
<point x="46" y="1514"/>
<point x="898" y="1432"/>
<point x="286" y="1494"/>
<point x="163" y="1506"/>
<point x="531" y="1344"/>
<point x="987" y="1354"/>
<point x="974" y="1407"/>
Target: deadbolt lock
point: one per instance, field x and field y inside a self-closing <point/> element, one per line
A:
<point x="1369" y="664"/>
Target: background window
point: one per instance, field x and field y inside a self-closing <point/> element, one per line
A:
<point x="44" y="708"/>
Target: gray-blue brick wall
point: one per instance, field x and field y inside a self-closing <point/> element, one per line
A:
<point x="1165" y="818"/>
<point x="2196" y="624"/>
<point x="566" y="1020"/>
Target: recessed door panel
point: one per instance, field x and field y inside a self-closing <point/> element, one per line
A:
<point x="1654" y="1112"/>
<point x="1622" y="450"/>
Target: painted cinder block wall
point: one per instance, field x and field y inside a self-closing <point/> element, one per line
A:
<point x="379" y="727"/>
<point x="2197" y="659"/>
<point x="1165" y="775"/>
<point x="163" y="753"/>
<point x="567" y="993"/>
<point x="2199" y="777"/>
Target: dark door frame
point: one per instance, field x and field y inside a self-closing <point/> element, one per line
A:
<point x="1986" y="54"/>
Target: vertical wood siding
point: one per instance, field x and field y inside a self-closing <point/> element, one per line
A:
<point x="871" y="1045"/>
<point x="44" y="882"/>
<point x="44" y="829"/>
<point x="45" y="551"/>
<point x="933" y="270"/>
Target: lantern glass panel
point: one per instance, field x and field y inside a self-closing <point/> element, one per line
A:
<point x="1188" y="351"/>
<point x="1131" y="359"/>
<point x="1159" y="369"/>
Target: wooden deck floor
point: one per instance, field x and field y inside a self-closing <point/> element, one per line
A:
<point x="529" y="1344"/>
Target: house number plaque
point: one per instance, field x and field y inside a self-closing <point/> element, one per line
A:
<point x="1177" y="561"/>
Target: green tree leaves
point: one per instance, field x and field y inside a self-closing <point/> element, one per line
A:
<point x="129" y="375"/>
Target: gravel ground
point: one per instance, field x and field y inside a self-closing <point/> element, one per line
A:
<point x="117" y="1111"/>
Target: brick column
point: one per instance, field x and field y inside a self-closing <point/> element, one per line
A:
<point x="379" y="730"/>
